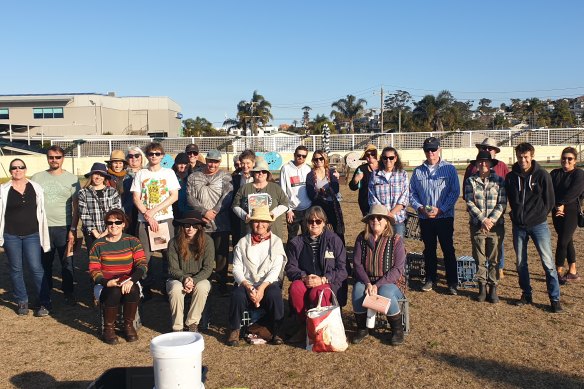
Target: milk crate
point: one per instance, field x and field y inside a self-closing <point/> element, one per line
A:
<point x="250" y="317"/>
<point x="466" y="269"/>
<point x="415" y="266"/>
<point x="412" y="226"/>
<point x="404" y="307"/>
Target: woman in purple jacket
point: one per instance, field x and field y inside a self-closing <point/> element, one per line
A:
<point x="379" y="259"/>
<point x="316" y="262"/>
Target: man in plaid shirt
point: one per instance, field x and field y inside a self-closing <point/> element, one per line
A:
<point x="486" y="200"/>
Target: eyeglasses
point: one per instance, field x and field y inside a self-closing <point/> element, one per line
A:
<point x="51" y="157"/>
<point x="431" y="150"/>
<point x="321" y="159"/>
<point x="154" y="154"/>
<point x="303" y="156"/>
<point x="195" y="153"/>
<point x="134" y="156"/>
<point x="318" y="222"/>
<point x="376" y="217"/>
<point x="487" y="148"/>
<point x="388" y="157"/>
<point x="189" y="225"/>
<point x="112" y="222"/>
<point x="17" y="167"/>
<point x="563" y="159"/>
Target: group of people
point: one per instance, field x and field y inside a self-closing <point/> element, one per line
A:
<point x="131" y="203"/>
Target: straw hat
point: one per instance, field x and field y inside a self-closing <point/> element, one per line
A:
<point x="368" y="149"/>
<point x="260" y="165"/>
<point x="376" y="210"/>
<point x="488" y="142"/>
<point x="117" y="156"/>
<point x="261" y="214"/>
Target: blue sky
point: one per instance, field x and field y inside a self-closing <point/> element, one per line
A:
<point x="209" y="56"/>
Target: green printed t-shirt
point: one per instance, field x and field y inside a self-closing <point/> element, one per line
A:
<point x="59" y="191"/>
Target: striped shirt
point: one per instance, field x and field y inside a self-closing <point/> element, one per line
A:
<point x="439" y="188"/>
<point x="108" y="260"/>
<point x="485" y="199"/>
<point x="390" y="192"/>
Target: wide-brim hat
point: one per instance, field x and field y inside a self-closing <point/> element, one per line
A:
<point x="117" y="156"/>
<point x="485" y="155"/>
<point x="368" y="149"/>
<point x="376" y="210"/>
<point x="100" y="168"/>
<point x="488" y="142"/>
<point x="190" y="217"/>
<point x="260" y="165"/>
<point x="181" y="158"/>
<point x="261" y="214"/>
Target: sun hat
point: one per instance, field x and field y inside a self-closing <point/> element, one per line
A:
<point x="368" y="149"/>
<point x="260" y="165"/>
<point x="181" y="158"/>
<point x="190" y="217"/>
<point x="214" y="154"/>
<point x="100" y="168"/>
<point x="117" y="156"/>
<point x="485" y="155"/>
<point x="376" y="210"/>
<point x="488" y="142"/>
<point x="431" y="143"/>
<point x="261" y="214"/>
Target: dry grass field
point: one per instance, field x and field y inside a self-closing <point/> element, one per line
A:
<point x="454" y="341"/>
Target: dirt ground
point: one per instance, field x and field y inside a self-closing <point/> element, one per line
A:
<point x="454" y="341"/>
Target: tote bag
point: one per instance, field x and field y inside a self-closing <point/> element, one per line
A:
<point x="324" y="327"/>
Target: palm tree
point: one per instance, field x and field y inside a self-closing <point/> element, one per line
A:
<point x="348" y="109"/>
<point x="432" y="110"/>
<point x="251" y="112"/>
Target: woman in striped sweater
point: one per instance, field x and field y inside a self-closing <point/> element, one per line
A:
<point x="116" y="263"/>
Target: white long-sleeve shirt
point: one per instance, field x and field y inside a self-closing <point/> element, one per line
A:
<point x="293" y="183"/>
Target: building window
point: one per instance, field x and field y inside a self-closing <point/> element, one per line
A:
<point x="47" y="113"/>
<point x="4" y="114"/>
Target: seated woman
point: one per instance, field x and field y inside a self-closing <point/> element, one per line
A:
<point x="379" y="258"/>
<point x="117" y="262"/>
<point x="316" y="261"/>
<point x="191" y="258"/>
<point x="258" y="259"/>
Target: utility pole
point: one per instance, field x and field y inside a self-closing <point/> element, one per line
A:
<point x="381" y="123"/>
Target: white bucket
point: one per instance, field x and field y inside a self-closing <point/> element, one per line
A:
<point x="177" y="360"/>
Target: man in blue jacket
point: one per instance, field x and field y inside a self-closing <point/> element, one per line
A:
<point x="434" y="190"/>
<point x="531" y="197"/>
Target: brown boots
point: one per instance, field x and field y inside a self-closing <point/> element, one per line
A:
<point x="129" y="316"/>
<point x="110" y="314"/>
<point x="362" y="330"/>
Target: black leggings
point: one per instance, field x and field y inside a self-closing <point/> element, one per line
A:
<point x="112" y="296"/>
<point x="565" y="227"/>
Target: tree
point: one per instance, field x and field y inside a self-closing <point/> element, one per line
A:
<point x="485" y="107"/>
<point x="320" y="121"/>
<point x="397" y="102"/>
<point x="431" y="110"/>
<point x="561" y="115"/>
<point x="198" y="127"/>
<point x="249" y="113"/>
<point x="348" y="109"/>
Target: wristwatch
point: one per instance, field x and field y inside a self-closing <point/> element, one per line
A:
<point x="73" y="229"/>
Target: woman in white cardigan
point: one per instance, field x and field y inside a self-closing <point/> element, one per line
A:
<point x="258" y="259"/>
<point x="24" y="234"/>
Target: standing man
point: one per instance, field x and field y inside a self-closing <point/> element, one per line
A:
<point x="192" y="151"/>
<point x="293" y="182"/>
<point x="434" y="189"/>
<point x="531" y="197"/>
<point x="155" y="189"/>
<point x="209" y="193"/>
<point x="501" y="169"/>
<point x="61" y="189"/>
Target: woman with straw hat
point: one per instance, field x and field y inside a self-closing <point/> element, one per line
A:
<point x="258" y="259"/>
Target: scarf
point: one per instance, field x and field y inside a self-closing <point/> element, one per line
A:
<point x="377" y="260"/>
<point x="256" y="238"/>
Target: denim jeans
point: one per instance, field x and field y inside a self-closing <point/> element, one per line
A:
<point x="20" y="250"/>
<point x="391" y="291"/>
<point x="58" y="237"/>
<point x="542" y="239"/>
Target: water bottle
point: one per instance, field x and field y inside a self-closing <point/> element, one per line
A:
<point x="371" y="315"/>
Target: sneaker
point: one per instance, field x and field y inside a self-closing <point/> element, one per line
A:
<point x="428" y="286"/>
<point x="562" y="279"/>
<point x="41" y="312"/>
<point x="22" y="309"/>
<point x="572" y="277"/>
<point x="452" y="290"/>
<point x="556" y="306"/>
<point x="525" y="299"/>
<point x="193" y="328"/>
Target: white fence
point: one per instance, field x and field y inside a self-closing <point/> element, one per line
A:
<point x="346" y="142"/>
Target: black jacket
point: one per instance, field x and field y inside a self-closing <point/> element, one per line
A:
<point x="531" y="195"/>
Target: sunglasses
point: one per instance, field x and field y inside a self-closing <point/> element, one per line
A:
<point x="261" y="172"/>
<point x="192" y="153"/>
<point x="134" y="156"/>
<point x="388" y="157"/>
<point x="51" y="157"/>
<point x="377" y="217"/>
<point x="112" y="222"/>
<point x="154" y="154"/>
<point x="321" y="159"/>
<point x="318" y="222"/>
<point x="189" y="225"/>
<point x="371" y="154"/>
<point x="431" y="150"/>
<point x="487" y="148"/>
<point x="563" y="159"/>
<point x="303" y="156"/>
<point x="17" y="167"/>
